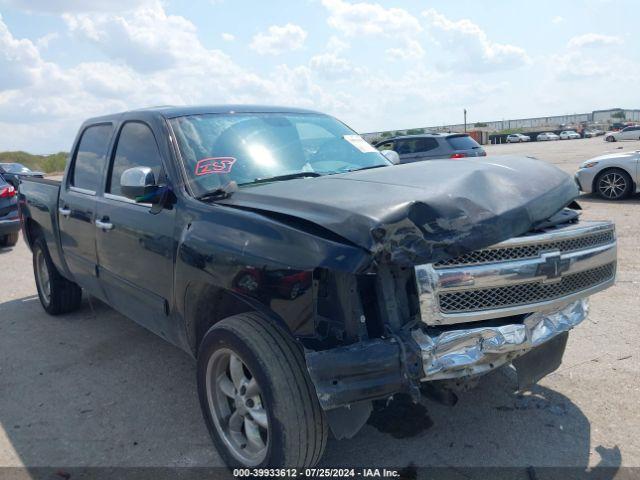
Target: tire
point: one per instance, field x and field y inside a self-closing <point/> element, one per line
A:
<point x="613" y="184"/>
<point x="9" y="240"/>
<point x="289" y="422"/>
<point x="57" y="294"/>
<point x="610" y="139"/>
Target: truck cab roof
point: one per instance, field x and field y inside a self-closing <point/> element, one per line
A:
<point x="171" y="111"/>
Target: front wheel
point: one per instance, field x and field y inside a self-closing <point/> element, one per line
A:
<point x="613" y="185"/>
<point x="57" y="294"/>
<point x="610" y="139"/>
<point x="256" y="396"/>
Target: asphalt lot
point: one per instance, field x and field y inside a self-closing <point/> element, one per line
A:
<point x="94" y="389"/>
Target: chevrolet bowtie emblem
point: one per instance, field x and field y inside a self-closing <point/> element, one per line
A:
<point x="553" y="267"/>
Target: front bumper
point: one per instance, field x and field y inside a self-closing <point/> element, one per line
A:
<point x="375" y="369"/>
<point x="9" y="226"/>
<point x="584" y="177"/>
<point x="477" y="350"/>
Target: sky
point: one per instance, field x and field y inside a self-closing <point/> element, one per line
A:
<point x="376" y="65"/>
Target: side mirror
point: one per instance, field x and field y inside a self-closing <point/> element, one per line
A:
<point x="139" y="184"/>
<point x="392" y="156"/>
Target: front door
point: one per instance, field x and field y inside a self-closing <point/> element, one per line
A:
<point x="135" y="245"/>
<point x="77" y="206"/>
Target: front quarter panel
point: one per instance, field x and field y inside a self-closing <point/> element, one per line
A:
<point x="267" y="263"/>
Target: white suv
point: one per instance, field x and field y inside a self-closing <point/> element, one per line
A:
<point x="627" y="133"/>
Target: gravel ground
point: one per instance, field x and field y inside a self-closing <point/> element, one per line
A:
<point x="94" y="389"/>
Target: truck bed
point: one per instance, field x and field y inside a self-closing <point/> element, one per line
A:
<point x="38" y="200"/>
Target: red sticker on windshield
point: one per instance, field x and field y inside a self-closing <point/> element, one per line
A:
<point x="210" y="165"/>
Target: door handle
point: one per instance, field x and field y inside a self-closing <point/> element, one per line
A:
<point x="65" y="212"/>
<point x="104" y="225"/>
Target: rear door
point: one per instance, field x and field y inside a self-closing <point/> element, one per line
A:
<point x="629" y="133"/>
<point x="427" y="147"/>
<point x="136" y="248"/>
<point x="77" y="205"/>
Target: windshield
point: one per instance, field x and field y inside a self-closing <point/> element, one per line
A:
<point x="252" y="147"/>
<point x="462" y="142"/>
<point x="14" y="168"/>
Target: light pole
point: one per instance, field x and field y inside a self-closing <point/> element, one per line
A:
<point x="465" y="120"/>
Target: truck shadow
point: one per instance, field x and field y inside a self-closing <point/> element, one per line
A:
<point x="490" y="426"/>
<point x="94" y="389"/>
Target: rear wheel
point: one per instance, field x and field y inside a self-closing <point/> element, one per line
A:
<point x="9" y="240"/>
<point x="613" y="184"/>
<point x="256" y="396"/>
<point x="57" y="294"/>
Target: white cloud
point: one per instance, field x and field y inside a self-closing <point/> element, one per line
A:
<point x="74" y="6"/>
<point x="146" y="39"/>
<point x="470" y="47"/>
<point x="594" y="40"/>
<point x="20" y="61"/>
<point x="369" y="18"/>
<point x="411" y="50"/>
<point x="45" y="40"/>
<point x="227" y="37"/>
<point x="337" y="45"/>
<point x="332" y="67"/>
<point x="279" y="39"/>
<point x="557" y="19"/>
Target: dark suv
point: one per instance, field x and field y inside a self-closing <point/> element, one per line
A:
<point x="413" y="148"/>
<point x="9" y="222"/>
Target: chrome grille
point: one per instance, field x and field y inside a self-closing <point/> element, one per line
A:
<point x="521" y="275"/>
<point x="523" y="293"/>
<point x="521" y="252"/>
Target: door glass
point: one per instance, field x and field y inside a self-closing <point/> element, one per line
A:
<point x="89" y="163"/>
<point x="136" y="148"/>
<point x="386" y="146"/>
<point x="425" y="144"/>
<point x="404" y="147"/>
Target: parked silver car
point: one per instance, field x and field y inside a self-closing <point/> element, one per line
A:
<point x="627" y="133"/>
<point x="547" y="136"/>
<point x="569" y="135"/>
<point x="613" y="176"/>
<point x="517" y="138"/>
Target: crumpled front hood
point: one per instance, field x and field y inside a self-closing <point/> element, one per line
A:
<point x="425" y="211"/>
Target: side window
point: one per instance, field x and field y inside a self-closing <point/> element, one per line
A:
<point x="136" y="148"/>
<point x="425" y="144"/>
<point x="386" y="146"/>
<point x="404" y="147"/>
<point x="88" y="166"/>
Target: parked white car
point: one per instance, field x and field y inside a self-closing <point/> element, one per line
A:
<point x="569" y="135"/>
<point x="547" y="136"/>
<point x="613" y="176"/>
<point x="517" y="138"/>
<point x="627" y="133"/>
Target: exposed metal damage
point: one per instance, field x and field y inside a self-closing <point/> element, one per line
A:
<point x="387" y="327"/>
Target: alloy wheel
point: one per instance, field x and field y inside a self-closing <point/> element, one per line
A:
<point x="612" y="185"/>
<point x="237" y="407"/>
<point x="42" y="276"/>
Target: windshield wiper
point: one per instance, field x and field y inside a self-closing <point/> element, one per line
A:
<point x="349" y="170"/>
<point x="288" y="176"/>
<point x="219" y="193"/>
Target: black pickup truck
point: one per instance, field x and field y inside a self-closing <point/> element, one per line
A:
<point x="307" y="274"/>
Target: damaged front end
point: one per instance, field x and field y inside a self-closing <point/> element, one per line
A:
<point x="513" y="302"/>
